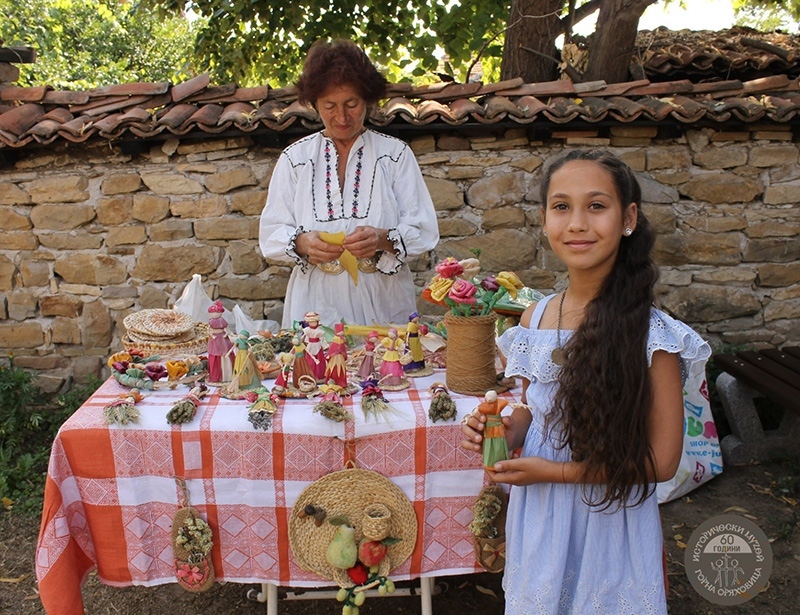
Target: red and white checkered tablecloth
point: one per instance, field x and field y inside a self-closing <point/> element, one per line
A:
<point x="111" y="492"/>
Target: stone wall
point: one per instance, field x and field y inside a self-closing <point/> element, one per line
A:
<point x="92" y="232"/>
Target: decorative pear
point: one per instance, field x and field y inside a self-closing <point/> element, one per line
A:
<point x="342" y="551"/>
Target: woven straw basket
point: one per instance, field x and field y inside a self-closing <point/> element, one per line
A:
<point x="352" y="494"/>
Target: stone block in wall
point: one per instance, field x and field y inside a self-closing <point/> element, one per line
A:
<point x="11" y="194"/>
<point x="148" y="208"/>
<point x="35" y="162"/>
<point x="672" y="177"/>
<point x="446" y="194"/>
<point x="120" y="292"/>
<point x="721" y="136"/>
<point x="778" y="275"/>
<point x="538" y="279"/>
<point x="153" y="298"/>
<point x="501" y="144"/>
<point x="245" y="258"/>
<point x="120" y="183"/>
<point x="115" y="210"/>
<point x="712" y="249"/>
<point x="254" y="288"/>
<point x="423" y="145"/>
<point x="226" y="228"/>
<point x="224" y="154"/>
<point x="61" y="217"/>
<point x="198" y="167"/>
<point x="170" y="229"/>
<point x="212" y="145"/>
<point x="248" y="202"/>
<point x="528" y="164"/>
<point x="11" y="220"/>
<point x="3" y="308"/>
<point x="655" y="192"/>
<point x="59" y="189"/>
<point x="648" y="132"/>
<point x="21" y="305"/>
<point x="207" y="206"/>
<point x="636" y="159"/>
<point x="125" y="235"/>
<point x="158" y="263"/>
<point x="630" y="141"/>
<point x="698" y="303"/>
<point x="772" y="135"/>
<point x="452" y="143"/>
<point x="497" y="190"/>
<point x="50" y="384"/>
<point x="501" y="250"/>
<point x="86" y="367"/>
<point x="34" y="273"/>
<point x="772" y="249"/>
<point x="20" y="240"/>
<point x="21" y="335"/>
<point x="90" y="269"/>
<point x="492" y="160"/>
<point x="667" y="158"/>
<point x="504" y="217"/>
<point x="72" y="240"/>
<point x="66" y="330"/>
<point x="60" y="305"/>
<point x="667" y="276"/>
<point x="738" y="276"/>
<point x="40" y="363"/>
<point x="782" y="310"/>
<point x="7" y="271"/>
<point x="456" y="227"/>
<point x="464" y="173"/>
<point x="782" y="194"/>
<point x="773" y="155"/>
<point x="716" y="224"/>
<point x="722" y="188"/>
<point x="721" y="157"/>
<point x="773" y="228"/>
<point x="171" y="183"/>
<point x="77" y="289"/>
<point x="230" y="179"/>
<point x="96" y="325"/>
<point x="662" y="218"/>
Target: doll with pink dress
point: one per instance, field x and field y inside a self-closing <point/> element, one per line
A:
<point x="367" y="367"/>
<point x="220" y="359"/>
<point x="336" y="368"/>
<point x="315" y="343"/>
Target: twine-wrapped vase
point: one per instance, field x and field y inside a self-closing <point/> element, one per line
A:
<point x="471" y="353"/>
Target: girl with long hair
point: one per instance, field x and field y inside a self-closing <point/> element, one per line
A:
<point x="602" y="373"/>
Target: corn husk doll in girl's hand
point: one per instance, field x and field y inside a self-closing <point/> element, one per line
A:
<point x="495" y="447"/>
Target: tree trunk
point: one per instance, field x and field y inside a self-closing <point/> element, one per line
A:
<point x="532" y="24"/>
<point x="612" y="43"/>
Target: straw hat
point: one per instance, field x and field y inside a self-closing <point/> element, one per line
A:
<point x="352" y="494"/>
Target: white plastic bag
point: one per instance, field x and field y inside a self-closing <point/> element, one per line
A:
<point x="194" y="300"/>
<point x="243" y="321"/>
<point x="701" y="459"/>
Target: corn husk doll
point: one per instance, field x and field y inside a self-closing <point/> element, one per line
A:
<point x="185" y="409"/>
<point x="495" y="447"/>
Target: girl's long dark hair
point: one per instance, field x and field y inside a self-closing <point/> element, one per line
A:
<point x="604" y="398"/>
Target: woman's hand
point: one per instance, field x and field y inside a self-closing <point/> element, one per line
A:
<point x="316" y="251"/>
<point x="365" y="241"/>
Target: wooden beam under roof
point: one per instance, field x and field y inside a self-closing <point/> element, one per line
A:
<point x="18" y="55"/>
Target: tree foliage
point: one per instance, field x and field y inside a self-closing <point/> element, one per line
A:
<point x="83" y="44"/>
<point x="767" y="14"/>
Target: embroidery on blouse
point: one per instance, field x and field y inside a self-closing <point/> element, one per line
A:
<point x="329" y="180"/>
<point x="291" y="250"/>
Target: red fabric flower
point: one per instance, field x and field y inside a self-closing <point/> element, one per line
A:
<point x="463" y="292"/>
<point x="449" y="268"/>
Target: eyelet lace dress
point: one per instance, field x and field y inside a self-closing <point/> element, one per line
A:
<point x="562" y="555"/>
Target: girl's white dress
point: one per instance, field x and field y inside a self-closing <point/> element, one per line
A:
<point x="562" y="555"/>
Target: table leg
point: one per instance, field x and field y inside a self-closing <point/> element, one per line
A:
<point x="426" y="587"/>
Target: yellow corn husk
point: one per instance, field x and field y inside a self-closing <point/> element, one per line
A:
<point x="348" y="261"/>
<point x="381" y="330"/>
<point x="176" y="369"/>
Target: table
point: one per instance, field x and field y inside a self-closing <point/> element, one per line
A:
<point x="111" y="491"/>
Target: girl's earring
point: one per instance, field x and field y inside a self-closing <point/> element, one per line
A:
<point x="544" y="232"/>
<point x="628" y="231"/>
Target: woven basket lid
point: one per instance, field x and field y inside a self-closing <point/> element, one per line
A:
<point x="349" y="493"/>
<point x="159" y="323"/>
<point x="194" y="345"/>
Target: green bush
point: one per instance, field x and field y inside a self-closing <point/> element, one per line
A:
<point x="28" y="424"/>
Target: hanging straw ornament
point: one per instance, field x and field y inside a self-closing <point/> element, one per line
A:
<point x="263" y="407"/>
<point x="443" y="408"/>
<point x="373" y="404"/>
<point x="184" y="410"/>
<point x="192" y="540"/>
<point x="123" y="411"/>
<point x="330" y="406"/>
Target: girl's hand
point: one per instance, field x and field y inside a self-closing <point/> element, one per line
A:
<point x="310" y="246"/>
<point x="525" y="471"/>
<point x="365" y="241"/>
<point x="472" y="427"/>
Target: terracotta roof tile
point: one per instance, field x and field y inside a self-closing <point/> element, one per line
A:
<point x="149" y="110"/>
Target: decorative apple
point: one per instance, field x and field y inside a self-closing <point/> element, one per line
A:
<point x="371" y="552"/>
